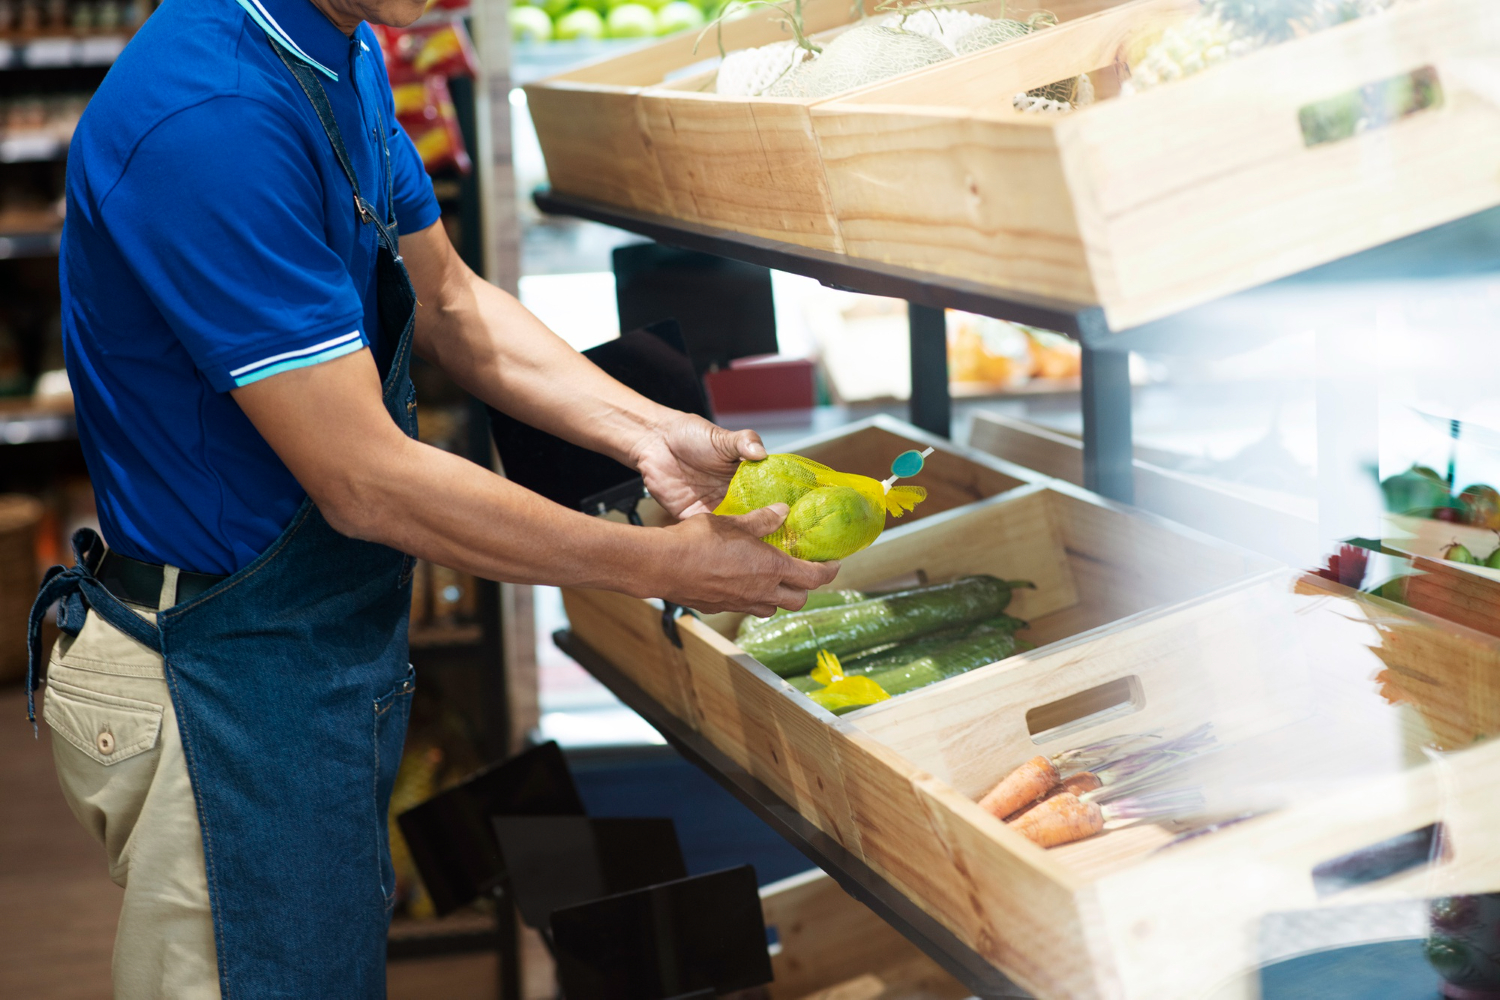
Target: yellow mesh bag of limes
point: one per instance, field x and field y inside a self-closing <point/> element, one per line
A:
<point x="831" y="514"/>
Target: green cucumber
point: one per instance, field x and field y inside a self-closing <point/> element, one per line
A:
<point x="979" y="650"/>
<point x="815" y="600"/>
<point x="789" y="646"/>
<point x="898" y="654"/>
<point x="895" y="654"/>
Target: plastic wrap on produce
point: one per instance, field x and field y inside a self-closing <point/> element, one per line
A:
<point x="791" y="646"/>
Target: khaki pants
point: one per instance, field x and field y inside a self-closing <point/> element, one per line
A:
<point x="120" y="763"/>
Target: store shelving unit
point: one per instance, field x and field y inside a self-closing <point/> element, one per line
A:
<point x="1329" y="295"/>
<point x="1106" y="369"/>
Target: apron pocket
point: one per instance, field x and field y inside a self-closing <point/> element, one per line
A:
<point x="106" y="727"/>
<point x="391" y="712"/>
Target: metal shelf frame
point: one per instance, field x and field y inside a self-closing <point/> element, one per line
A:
<point x="852" y="874"/>
<point x="1105" y="392"/>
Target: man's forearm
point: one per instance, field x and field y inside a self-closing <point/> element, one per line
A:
<point x="439" y="507"/>
<point x="494" y="348"/>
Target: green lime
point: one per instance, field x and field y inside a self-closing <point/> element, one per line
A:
<point x="580" y="23"/>
<point x="530" y="24"/>
<point x="631" y="20"/>
<point x="679" y="15"/>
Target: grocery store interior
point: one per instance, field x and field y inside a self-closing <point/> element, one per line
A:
<point x="1178" y="315"/>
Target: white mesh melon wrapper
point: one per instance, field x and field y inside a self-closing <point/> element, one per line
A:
<point x="748" y="72"/>
<point x="1044" y="100"/>
<point x="752" y="72"/>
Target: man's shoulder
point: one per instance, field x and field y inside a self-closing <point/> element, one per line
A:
<point x="202" y="56"/>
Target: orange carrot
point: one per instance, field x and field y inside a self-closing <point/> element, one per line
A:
<point x="1078" y="784"/>
<point x="1021" y="787"/>
<point x="1061" y="819"/>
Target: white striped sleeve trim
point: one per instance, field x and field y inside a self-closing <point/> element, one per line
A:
<point x="316" y="354"/>
<point x="314" y="349"/>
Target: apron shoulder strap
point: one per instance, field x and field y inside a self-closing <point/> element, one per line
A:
<point x="313" y="88"/>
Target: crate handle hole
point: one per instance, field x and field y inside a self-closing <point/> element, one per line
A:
<point x="1387" y="859"/>
<point x="1373" y="106"/>
<point x="1086" y="709"/>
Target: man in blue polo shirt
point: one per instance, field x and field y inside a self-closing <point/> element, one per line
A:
<point x="251" y="256"/>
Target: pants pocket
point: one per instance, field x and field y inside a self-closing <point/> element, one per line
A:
<point x="391" y="713"/>
<point x="105" y="727"/>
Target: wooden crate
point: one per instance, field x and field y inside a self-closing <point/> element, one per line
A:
<point x="1289" y="672"/>
<point x="1458" y="592"/>
<point x="1094" y="564"/>
<point x="1191" y="190"/>
<point x="829" y="946"/>
<point x="645" y="131"/>
<point x="1277" y="524"/>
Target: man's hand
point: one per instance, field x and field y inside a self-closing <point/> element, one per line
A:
<point x="329" y="425"/>
<point x="724" y="566"/>
<point x="687" y="463"/>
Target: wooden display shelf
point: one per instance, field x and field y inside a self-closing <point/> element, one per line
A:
<point x="644" y="131"/>
<point x="1392" y="706"/>
<point x="1174" y="196"/>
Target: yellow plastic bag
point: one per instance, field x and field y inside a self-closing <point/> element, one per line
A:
<point x="833" y="514"/>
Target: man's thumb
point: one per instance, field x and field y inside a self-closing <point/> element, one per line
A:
<point x="762" y="522"/>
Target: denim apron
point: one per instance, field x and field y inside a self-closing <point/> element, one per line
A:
<point x="292" y="688"/>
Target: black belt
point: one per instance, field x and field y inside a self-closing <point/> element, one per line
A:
<point x="139" y="582"/>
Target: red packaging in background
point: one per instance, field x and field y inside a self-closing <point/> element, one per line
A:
<point x="442" y="49"/>
<point x="446" y="5"/>
<point x="755" y="385"/>
<point x="425" y="109"/>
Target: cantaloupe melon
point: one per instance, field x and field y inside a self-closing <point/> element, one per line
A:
<point x="944" y="24"/>
<point x="860" y="56"/>
<point x="991" y="33"/>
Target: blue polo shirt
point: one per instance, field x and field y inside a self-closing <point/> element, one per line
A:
<point x="211" y="240"/>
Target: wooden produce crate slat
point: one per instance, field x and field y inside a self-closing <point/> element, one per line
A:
<point x="1174" y="196"/>
<point x="621" y="132"/>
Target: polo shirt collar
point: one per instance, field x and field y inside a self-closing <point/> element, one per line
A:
<point x="303" y="29"/>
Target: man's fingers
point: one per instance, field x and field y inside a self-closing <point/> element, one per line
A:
<point x="762" y="522"/>
<point x="810" y="575"/>
<point x="791" y="598"/>
<point x="749" y="446"/>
